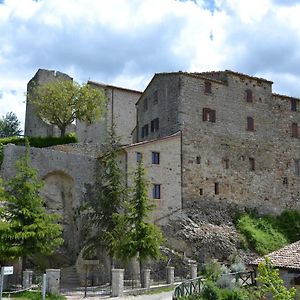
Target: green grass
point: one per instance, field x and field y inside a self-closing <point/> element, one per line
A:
<point x="32" y="295"/>
<point x="268" y="233"/>
<point x="160" y="290"/>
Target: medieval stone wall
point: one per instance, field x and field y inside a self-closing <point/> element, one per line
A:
<point x="225" y="160"/>
<point x="67" y="179"/>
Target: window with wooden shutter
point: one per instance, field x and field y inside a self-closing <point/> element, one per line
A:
<point x="250" y="124"/>
<point x="249" y="96"/>
<point x="295" y="133"/>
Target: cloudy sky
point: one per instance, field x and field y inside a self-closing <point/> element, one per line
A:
<point x="124" y="42"/>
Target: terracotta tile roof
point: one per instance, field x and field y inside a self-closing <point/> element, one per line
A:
<point x="287" y="257"/>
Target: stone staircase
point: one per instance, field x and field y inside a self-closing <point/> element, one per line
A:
<point x="69" y="277"/>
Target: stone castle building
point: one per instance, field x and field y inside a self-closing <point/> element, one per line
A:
<point x="204" y="138"/>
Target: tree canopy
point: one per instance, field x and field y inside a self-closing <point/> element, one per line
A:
<point x="10" y="125"/>
<point x="60" y="102"/>
<point x="25" y="227"/>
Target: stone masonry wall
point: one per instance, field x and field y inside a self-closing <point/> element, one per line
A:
<point x="67" y="178"/>
<point x="166" y="108"/>
<point x="167" y="173"/>
<point x="224" y="148"/>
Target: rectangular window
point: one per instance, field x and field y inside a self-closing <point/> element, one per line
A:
<point x="249" y="96"/>
<point x="155" y="125"/>
<point x="201" y="192"/>
<point x="252" y="163"/>
<point x="209" y="115"/>
<point x="139" y="156"/>
<point x="207" y="87"/>
<point x="145" y="130"/>
<point x="155" y="158"/>
<point x="297" y="167"/>
<point x="250" y="124"/>
<point x="295" y="132"/>
<point x="226" y="163"/>
<point x="156" y="191"/>
<point x="217" y="188"/>
<point x="293" y="105"/>
<point x="155" y="97"/>
<point x="145" y="106"/>
<point x="285" y="181"/>
<point x="198" y="160"/>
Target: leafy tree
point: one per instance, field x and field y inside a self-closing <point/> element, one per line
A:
<point x="25" y="227"/>
<point x="135" y="235"/>
<point x="272" y="283"/>
<point x="10" y="125"/>
<point x="108" y="200"/>
<point x="60" y="102"/>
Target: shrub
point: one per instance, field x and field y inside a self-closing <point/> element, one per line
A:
<point x="233" y="295"/>
<point x="210" y="291"/>
<point x="212" y="270"/>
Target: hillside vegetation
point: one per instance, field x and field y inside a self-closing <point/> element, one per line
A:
<point x="267" y="233"/>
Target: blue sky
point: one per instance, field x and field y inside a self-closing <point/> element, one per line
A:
<point x="124" y="42"/>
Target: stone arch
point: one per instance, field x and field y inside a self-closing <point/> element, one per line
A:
<point x="59" y="195"/>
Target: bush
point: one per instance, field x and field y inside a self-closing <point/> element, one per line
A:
<point x="212" y="270"/>
<point x="233" y="295"/>
<point x="262" y="233"/>
<point x="210" y="292"/>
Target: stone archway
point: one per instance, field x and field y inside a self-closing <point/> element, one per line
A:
<point x="59" y="195"/>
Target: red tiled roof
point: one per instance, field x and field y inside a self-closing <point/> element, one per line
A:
<point x="287" y="257"/>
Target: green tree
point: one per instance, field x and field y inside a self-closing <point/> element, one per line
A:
<point x="272" y="283"/>
<point x="10" y="125"/>
<point x="25" y="227"/>
<point x="135" y="235"/>
<point x="108" y="199"/>
<point x="60" y="102"/>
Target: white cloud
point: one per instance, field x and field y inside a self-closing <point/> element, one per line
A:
<point x="125" y="42"/>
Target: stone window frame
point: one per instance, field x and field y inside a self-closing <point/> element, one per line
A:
<point x="198" y="160"/>
<point x="297" y="167"/>
<point x="217" y="188"/>
<point x="208" y="115"/>
<point x="156" y="191"/>
<point x="155" y="158"/>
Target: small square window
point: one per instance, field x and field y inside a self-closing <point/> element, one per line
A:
<point x="209" y="115"/>
<point x="207" y="87"/>
<point x="155" y="158"/>
<point x="139" y="156"/>
<point x="156" y="191"/>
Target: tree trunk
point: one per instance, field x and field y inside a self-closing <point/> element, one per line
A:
<point x="62" y="131"/>
<point x="141" y="272"/>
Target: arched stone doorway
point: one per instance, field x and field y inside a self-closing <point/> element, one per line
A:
<point x="59" y="195"/>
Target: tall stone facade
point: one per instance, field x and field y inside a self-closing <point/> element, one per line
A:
<point x="239" y="140"/>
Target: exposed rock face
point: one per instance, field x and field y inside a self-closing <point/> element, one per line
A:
<point x="204" y="231"/>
